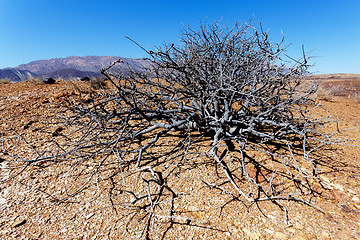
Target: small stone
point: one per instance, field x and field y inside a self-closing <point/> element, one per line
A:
<point x="356" y="199"/>
<point x="251" y="234"/>
<point x="357" y="206"/>
<point x="351" y="191"/>
<point x="291" y="230"/>
<point x="18" y="223"/>
<point x="338" y="187"/>
<point x="269" y="232"/>
<point x="87" y="99"/>
<point x="281" y="235"/>
<point x="39" y="235"/>
<point x="300" y="236"/>
<point x="90" y="215"/>
<point x="57" y="131"/>
<point x="4" y="232"/>
<point x="298" y="226"/>
<point x="325" y="235"/>
<point x="2" y="201"/>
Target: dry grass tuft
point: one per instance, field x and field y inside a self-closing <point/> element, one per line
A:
<point x="59" y="79"/>
<point x="5" y="81"/>
<point x="36" y="80"/>
<point x="327" y="94"/>
<point x="98" y="84"/>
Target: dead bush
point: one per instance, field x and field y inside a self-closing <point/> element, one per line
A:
<point x="224" y="102"/>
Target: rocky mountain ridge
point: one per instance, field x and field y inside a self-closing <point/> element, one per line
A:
<point x="87" y="63"/>
<point x="15" y="75"/>
<point x="69" y="67"/>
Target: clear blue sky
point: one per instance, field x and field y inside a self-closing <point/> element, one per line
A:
<point x="42" y="29"/>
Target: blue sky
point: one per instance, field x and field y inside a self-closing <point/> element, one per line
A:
<point x="42" y="29"/>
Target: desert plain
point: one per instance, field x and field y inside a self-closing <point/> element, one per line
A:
<point x="28" y="212"/>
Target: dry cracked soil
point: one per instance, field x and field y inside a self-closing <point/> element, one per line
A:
<point x="28" y="212"/>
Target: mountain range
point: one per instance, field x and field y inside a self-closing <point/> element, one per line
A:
<point x="69" y="67"/>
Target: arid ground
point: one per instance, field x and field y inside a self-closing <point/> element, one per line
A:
<point x="27" y="212"/>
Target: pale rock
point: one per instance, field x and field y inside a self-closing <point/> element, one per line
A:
<point x="355" y="199"/>
<point x="4" y="232"/>
<point x="269" y="232"/>
<point x="2" y="201"/>
<point x="18" y="223"/>
<point x="291" y="230"/>
<point x="338" y="187"/>
<point x="251" y="234"/>
<point x="90" y="215"/>
<point x="351" y="191"/>
<point x="298" y="226"/>
<point x="300" y="236"/>
<point x="325" y="235"/>
<point x="235" y="230"/>
<point x="357" y="206"/>
<point x="281" y="236"/>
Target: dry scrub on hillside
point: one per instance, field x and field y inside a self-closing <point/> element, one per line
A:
<point x="5" y="81"/>
<point x="226" y="100"/>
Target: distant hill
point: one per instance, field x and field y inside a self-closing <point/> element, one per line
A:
<point x="72" y="73"/>
<point x="88" y="63"/>
<point x="69" y="67"/>
<point x="15" y="75"/>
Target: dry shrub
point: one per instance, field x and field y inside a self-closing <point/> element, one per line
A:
<point x="36" y="80"/>
<point x="59" y="79"/>
<point x="325" y="95"/>
<point x="222" y="109"/>
<point x="357" y="97"/>
<point x="5" y="81"/>
<point x="88" y="87"/>
<point x="98" y="83"/>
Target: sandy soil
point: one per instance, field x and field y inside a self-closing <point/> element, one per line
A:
<point x="28" y="212"/>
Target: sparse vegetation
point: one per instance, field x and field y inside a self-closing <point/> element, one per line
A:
<point x="98" y="83"/>
<point x="58" y="79"/>
<point x="36" y="80"/>
<point x="335" y="85"/>
<point x="5" y="81"/>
